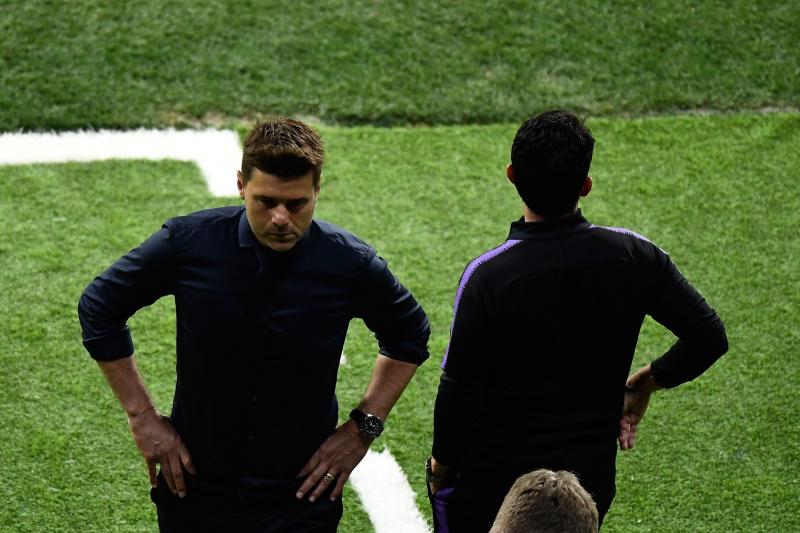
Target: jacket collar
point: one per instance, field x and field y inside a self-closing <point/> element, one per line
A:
<point x="548" y="229"/>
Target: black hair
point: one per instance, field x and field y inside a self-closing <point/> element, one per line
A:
<point x="551" y="156"/>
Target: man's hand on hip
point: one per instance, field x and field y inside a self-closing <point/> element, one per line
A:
<point x="159" y="443"/>
<point x="438" y="475"/>
<point x="333" y="462"/>
<point x="638" y="388"/>
<point x="636" y="403"/>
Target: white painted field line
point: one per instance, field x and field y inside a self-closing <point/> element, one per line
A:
<point x="217" y="152"/>
<point x="386" y="495"/>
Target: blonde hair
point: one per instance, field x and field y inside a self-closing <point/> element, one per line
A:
<point x="544" y="501"/>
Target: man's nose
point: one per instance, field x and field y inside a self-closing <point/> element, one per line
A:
<point x="280" y="216"/>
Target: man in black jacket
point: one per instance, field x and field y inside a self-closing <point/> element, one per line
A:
<point x="263" y="295"/>
<point x="543" y="335"/>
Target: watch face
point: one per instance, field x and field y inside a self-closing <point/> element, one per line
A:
<point x="372" y="426"/>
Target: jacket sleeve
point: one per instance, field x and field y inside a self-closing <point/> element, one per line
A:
<point x="677" y="305"/>
<point x="390" y="311"/>
<point x="136" y="280"/>
<point x="464" y="377"/>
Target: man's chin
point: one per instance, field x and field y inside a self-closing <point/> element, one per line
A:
<point x="280" y="246"/>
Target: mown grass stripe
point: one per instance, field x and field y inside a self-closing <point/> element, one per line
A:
<point x="113" y="64"/>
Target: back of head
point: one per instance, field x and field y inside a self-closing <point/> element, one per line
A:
<point x="284" y="147"/>
<point x="551" y="155"/>
<point x="544" y="501"/>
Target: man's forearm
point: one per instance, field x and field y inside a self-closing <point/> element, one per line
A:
<point x="389" y="380"/>
<point x="342" y="451"/>
<point x="690" y="356"/>
<point x="125" y="380"/>
<point x="153" y="433"/>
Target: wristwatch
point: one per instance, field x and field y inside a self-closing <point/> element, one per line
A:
<point x="430" y="477"/>
<point x="369" y="425"/>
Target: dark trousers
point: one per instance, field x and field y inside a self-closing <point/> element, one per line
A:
<point x="247" y="506"/>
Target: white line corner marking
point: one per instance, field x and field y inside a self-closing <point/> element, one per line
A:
<point x="386" y="495"/>
<point x="217" y="153"/>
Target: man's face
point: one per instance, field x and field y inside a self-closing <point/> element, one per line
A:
<point x="279" y="210"/>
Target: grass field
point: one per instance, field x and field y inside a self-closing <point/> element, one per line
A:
<point x="719" y="454"/>
<point x="96" y="63"/>
<point x="681" y="96"/>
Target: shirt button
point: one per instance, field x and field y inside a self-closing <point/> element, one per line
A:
<point x="253" y="399"/>
<point x="251" y="437"/>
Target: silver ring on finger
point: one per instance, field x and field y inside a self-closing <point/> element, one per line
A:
<point x="328" y="476"/>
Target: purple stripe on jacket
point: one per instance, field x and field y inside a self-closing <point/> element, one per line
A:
<point x="471" y="267"/>
<point x="624" y="231"/>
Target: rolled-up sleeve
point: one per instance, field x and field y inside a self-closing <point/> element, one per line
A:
<point x="390" y="311"/>
<point x="136" y="280"/>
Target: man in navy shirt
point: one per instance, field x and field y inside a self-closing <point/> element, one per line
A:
<point x="544" y="331"/>
<point x="263" y="295"/>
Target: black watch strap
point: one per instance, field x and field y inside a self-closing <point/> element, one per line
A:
<point x="368" y="424"/>
<point x="357" y="416"/>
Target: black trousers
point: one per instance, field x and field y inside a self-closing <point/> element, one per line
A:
<point x="247" y="506"/>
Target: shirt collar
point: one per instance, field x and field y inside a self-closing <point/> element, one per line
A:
<point x="547" y="229"/>
<point x="247" y="239"/>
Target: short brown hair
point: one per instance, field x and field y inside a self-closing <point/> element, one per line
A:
<point x="544" y="501"/>
<point x="284" y="147"/>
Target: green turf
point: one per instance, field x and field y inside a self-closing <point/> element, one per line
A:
<point x="67" y="65"/>
<point x="719" y="193"/>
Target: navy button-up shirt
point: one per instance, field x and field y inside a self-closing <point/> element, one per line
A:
<point x="259" y="333"/>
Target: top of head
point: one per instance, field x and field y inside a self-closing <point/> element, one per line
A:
<point x="283" y="147"/>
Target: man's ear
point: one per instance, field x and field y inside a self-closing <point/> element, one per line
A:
<point x="510" y="173"/>
<point x="240" y="183"/>
<point x="587" y="186"/>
